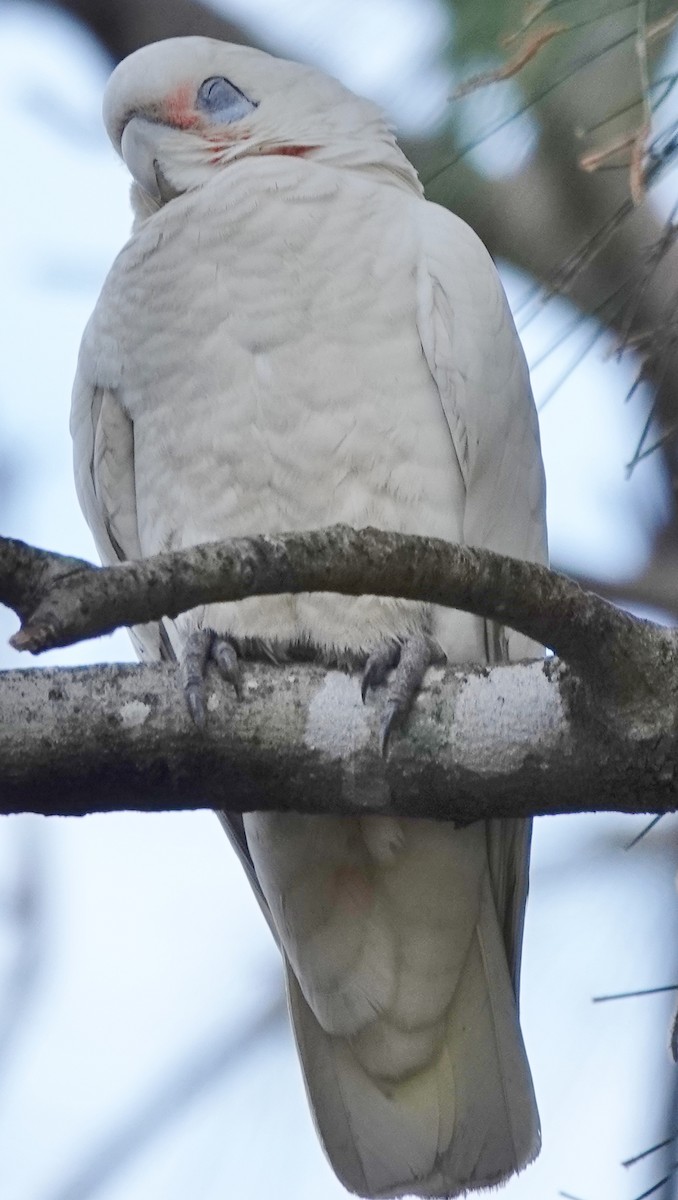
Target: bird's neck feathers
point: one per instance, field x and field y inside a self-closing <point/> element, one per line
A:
<point x="189" y="161"/>
<point x="143" y="206"/>
<point x="378" y="156"/>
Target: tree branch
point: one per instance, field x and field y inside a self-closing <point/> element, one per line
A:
<point x="125" y="25"/>
<point x="514" y="741"/>
<point x="599" y="733"/>
<point x="627" y="663"/>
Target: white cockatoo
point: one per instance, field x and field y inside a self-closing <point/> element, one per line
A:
<point x="292" y="337"/>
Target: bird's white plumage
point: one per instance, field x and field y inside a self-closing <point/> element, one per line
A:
<point x="294" y="337"/>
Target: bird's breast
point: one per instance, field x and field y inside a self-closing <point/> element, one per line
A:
<point x="275" y="376"/>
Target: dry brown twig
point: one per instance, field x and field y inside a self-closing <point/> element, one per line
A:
<point x="530" y="42"/>
<point x="523" y="55"/>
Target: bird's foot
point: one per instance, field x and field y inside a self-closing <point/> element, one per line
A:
<point x="410" y="660"/>
<point x="201" y="647"/>
<point x="381" y="661"/>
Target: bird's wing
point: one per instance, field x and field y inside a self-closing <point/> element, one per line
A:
<point x="477" y="362"/>
<point x="103" y="460"/>
<point x="103" y="455"/>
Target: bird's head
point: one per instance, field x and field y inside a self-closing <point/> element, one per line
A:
<point x="181" y="110"/>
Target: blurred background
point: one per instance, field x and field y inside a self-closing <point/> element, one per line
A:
<point x="144" y="1049"/>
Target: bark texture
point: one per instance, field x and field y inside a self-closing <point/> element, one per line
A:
<point x="514" y="741"/>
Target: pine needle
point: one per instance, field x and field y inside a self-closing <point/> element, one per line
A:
<point x="669" y="987"/>
<point x="630" y="1162"/>
<point x="651" y="824"/>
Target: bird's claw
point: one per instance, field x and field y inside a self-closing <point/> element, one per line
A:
<point x="410" y="660"/>
<point x="380" y="662"/>
<point x="195" y="700"/>
<point x="200" y="646"/>
<point x="192" y="673"/>
<point x="391" y="717"/>
<point x="225" y="656"/>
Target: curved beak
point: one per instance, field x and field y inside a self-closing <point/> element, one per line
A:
<point x="140" y="149"/>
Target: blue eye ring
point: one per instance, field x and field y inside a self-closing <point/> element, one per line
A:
<point x="220" y="98"/>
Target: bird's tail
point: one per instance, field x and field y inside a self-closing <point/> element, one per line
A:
<point x="468" y="1119"/>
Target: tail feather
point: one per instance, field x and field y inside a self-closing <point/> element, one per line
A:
<point x="401" y="953"/>
<point x="380" y="1139"/>
<point x="467" y="1120"/>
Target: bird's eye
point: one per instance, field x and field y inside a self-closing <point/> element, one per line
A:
<point x="221" y="99"/>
